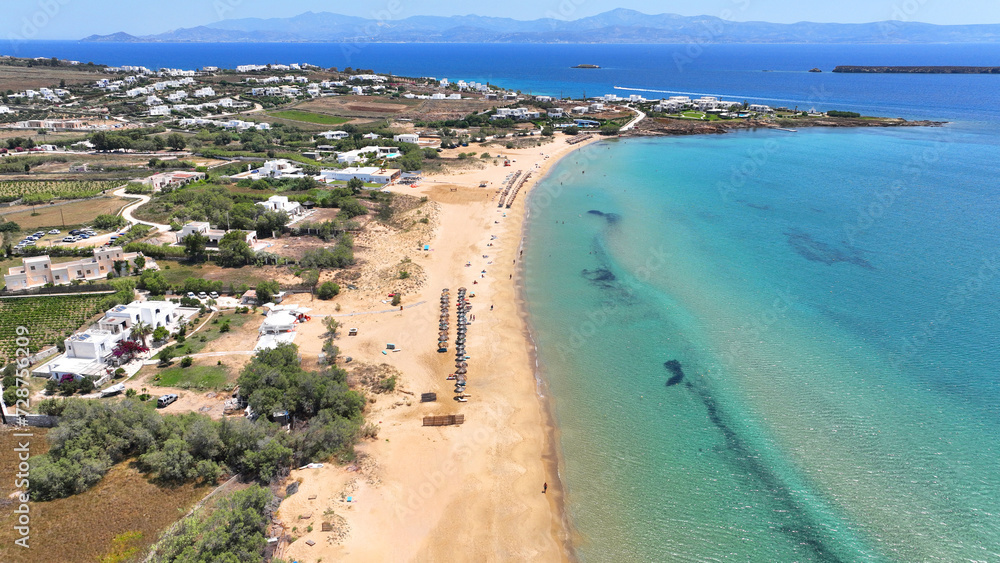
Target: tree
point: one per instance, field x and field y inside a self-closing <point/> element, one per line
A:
<point x="355" y="185"/>
<point x="161" y="334"/>
<point x="109" y="222"/>
<point x="140" y="330"/>
<point x="176" y="141"/>
<point x="166" y="355"/>
<point x="187" y="362"/>
<point x="140" y="262"/>
<point x="266" y="291"/>
<point x="331" y="325"/>
<point x="223" y="139"/>
<point x="328" y="290"/>
<point x="154" y="282"/>
<point x="194" y="246"/>
<point x="172" y="462"/>
<point x="572" y="130"/>
<point x="234" y="252"/>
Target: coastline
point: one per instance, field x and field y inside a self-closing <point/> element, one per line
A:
<point x="469" y="492"/>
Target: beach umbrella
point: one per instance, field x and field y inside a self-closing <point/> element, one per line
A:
<point x="461" y="371"/>
<point x="462" y="364"/>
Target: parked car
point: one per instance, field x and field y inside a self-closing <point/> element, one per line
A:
<point x="165" y="400"/>
<point x="191" y="295"/>
<point x="202" y="295"/>
<point x="74" y="232"/>
<point x="213" y="295"/>
<point x="69" y="239"/>
<point x="54" y="232"/>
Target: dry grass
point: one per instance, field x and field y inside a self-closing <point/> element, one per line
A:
<point x="66" y="215"/>
<point x="82" y="528"/>
<point x="19" y="78"/>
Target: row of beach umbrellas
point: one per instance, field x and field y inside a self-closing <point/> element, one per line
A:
<point x="462" y="322"/>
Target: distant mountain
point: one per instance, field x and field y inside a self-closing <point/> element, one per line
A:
<point x="616" y="26"/>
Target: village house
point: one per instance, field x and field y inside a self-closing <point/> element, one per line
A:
<point x="281" y="203"/>
<point x="38" y="271"/>
<point x="406" y="138"/>
<point x="173" y="179"/>
<point x="90" y="353"/>
<point x="213" y="235"/>
<point x="368" y="175"/>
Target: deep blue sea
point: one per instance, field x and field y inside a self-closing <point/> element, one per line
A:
<point x="762" y="346"/>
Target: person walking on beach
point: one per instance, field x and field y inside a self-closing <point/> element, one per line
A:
<point x="491" y="307"/>
<point x="545" y="488"/>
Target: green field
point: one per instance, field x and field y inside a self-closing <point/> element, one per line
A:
<point x="199" y="377"/>
<point x="309" y="117"/>
<point x="46" y="320"/>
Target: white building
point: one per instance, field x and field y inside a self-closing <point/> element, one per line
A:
<point x="90" y="352"/>
<point x="279" y="169"/>
<point x="368" y="175"/>
<point x="406" y="138"/>
<point x="213" y="235"/>
<point x="159" y="111"/>
<point x="366" y="153"/>
<point x="38" y="271"/>
<point x="280" y="203"/>
<point x="334" y="135"/>
<point x="206" y="92"/>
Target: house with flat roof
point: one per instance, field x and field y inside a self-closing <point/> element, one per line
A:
<point x="38" y="271"/>
<point x="368" y="175"/>
<point x="173" y="179"/>
<point x="406" y="138"/>
<point x="281" y="203"/>
<point x="90" y="353"/>
<point x="214" y="235"/>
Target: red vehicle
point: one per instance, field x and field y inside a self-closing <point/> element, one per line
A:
<point x="3" y="151"/>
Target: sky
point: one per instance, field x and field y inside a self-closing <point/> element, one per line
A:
<point x="75" y="19"/>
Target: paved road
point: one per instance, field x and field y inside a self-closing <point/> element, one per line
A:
<point x="631" y="124"/>
<point x="127" y="211"/>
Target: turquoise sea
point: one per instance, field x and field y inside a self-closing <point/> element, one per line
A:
<point x="774" y="346"/>
<point x="761" y="346"/>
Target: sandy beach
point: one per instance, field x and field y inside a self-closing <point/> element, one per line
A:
<point x="461" y="493"/>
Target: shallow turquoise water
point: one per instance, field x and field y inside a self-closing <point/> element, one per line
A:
<point x="830" y="298"/>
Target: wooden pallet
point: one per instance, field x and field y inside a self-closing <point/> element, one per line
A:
<point x="444" y="420"/>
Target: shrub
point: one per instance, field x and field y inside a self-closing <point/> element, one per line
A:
<point x="328" y="290"/>
<point x="186" y="362"/>
<point x="396" y="300"/>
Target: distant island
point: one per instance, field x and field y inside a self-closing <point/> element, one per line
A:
<point x="617" y="26"/>
<point x="586" y="66"/>
<point x="919" y="69"/>
<point x="817" y="69"/>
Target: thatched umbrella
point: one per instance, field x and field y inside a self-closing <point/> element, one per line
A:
<point x="462" y="364"/>
<point x="461" y="371"/>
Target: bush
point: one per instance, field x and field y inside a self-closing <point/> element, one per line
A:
<point x="109" y="222"/>
<point x="836" y="113"/>
<point x="186" y="362"/>
<point x="396" y="300"/>
<point x="328" y="290"/>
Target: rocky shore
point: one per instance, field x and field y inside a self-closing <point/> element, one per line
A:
<point x="668" y="126"/>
